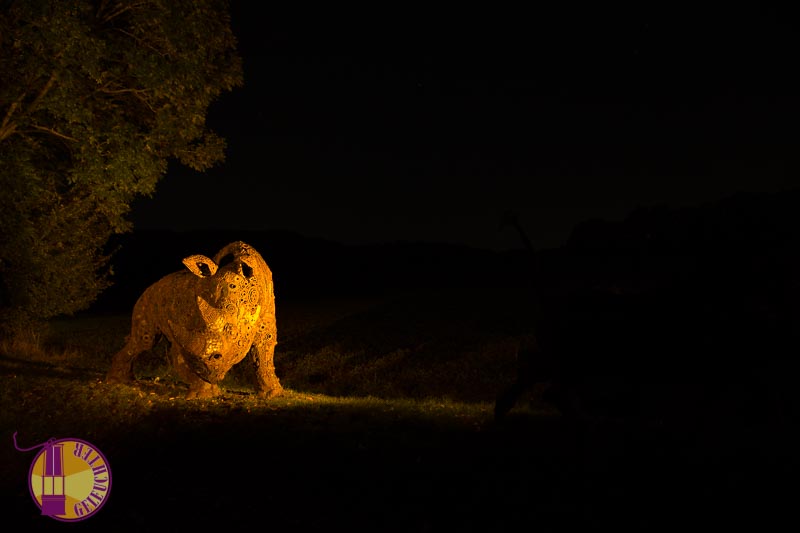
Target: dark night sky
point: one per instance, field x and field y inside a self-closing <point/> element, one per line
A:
<point x="412" y="124"/>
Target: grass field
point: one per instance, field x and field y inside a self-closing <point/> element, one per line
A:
<point x="386" y="425"/>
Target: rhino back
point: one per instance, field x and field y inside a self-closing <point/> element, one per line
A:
<point x="174" y="298"/>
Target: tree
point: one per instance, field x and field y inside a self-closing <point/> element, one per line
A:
<point x="95" y="98"/>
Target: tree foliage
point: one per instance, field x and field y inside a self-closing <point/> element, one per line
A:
<point x="95" y="98"/>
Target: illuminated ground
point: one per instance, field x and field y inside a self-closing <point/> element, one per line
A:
<point x="361" y="462"/>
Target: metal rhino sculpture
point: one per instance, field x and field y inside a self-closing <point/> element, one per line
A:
<point x="213" y="314"/>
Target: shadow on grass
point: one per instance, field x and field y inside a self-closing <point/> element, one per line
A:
<point x="309" y="462"/>
<point x="20" y="366"/>
<point x="315" y="463"/>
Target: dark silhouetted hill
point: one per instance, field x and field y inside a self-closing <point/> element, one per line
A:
<point x="308" y="268"/>
<point x="723" y="274"/>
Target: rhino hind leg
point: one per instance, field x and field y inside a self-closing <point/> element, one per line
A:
<point x="142" y="338"/>
<point x="197" y="387"/>
<point x="121" y="370"/>
<point x="261" y="355"/>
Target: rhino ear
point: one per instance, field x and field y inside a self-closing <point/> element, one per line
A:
<point x="247" y="267"/>
<point x="200" y="265"/>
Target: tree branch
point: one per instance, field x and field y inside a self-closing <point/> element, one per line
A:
<point x="145" y="102"/>
<point x="42" y="93"/>
<point x="120" y="10"/>
<point x="120" y="91"/>
<point x="101" y="8"/>
<point x="139" y="94"/>
<point x="54" y="132"/>
<point x="6" y="127"/>
<point x="13" y="107"/>
<point x="7" y="131"/>
<point x="142" y="43"/>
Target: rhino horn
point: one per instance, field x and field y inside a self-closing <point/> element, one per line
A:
<point x="213" y="317"/>
<point x="200" y="265"/>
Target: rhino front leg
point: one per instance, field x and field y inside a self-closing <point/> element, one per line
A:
<point x="197" y="387"/>
<point x="261" y="354"/>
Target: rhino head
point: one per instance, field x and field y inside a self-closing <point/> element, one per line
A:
<point x="227" y="328"/>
